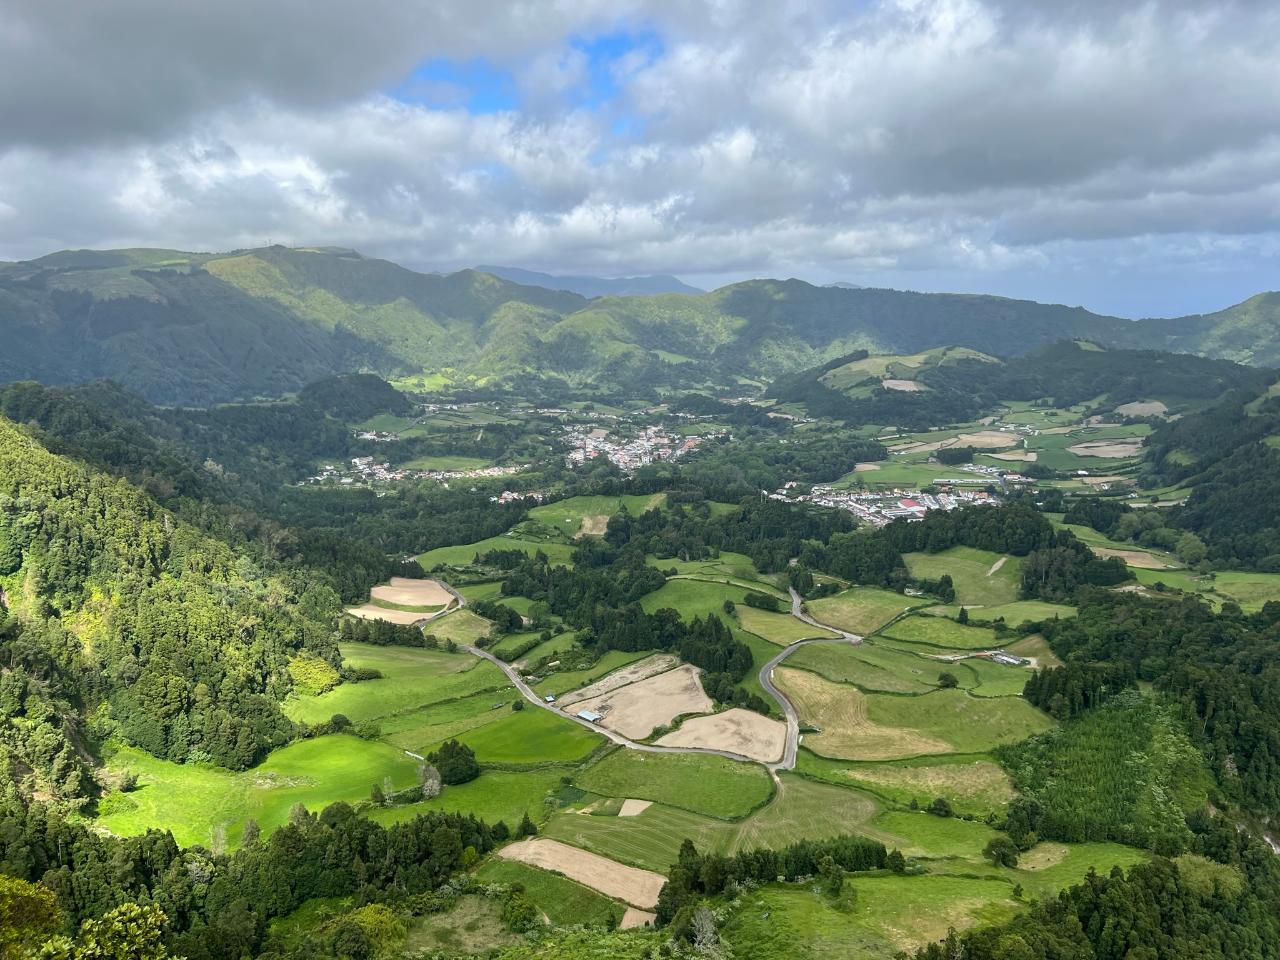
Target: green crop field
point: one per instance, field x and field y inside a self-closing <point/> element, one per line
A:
<point x="411" y="677"/>
<point x="489" y="590"/>
<point x="564" y="901"/>
<point x="941" y="632"/>
<point x="494" y="795"/>
<point x="932" y="837"/>
<point x="801" y="809"/>
<point x="979" y="576"/>
<point x="461" y="556"/>
<point x="969" y="724"/>
<point x="794" y="922"/>
<point x="421" y="728"/>
<point x="460" y="626"/>
<point x="779" y="628"/>
<point x="700" y="783"/>
<point x="693" y="598"/>
<point x="191" y="800"/>
<point x="531" y="736"/>
<point x="869" y="666"/>
<point x="861" y="610"/>
<point x="972" y="783"/>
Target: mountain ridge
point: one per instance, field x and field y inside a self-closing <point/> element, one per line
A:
<point x="194" y="328"/>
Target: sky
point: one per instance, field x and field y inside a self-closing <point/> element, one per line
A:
<point x="1120" y="156"/>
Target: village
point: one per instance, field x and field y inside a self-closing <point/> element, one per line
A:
<point x="366" y="471"/>
<point x="650" y="445"/>
<point x="881" y="508"/>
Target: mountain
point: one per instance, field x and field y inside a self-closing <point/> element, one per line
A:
<point x="198" y="328"/>
<point x="594" y="286"/>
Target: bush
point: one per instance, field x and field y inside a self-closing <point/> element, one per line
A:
<point x="456" y="763"/>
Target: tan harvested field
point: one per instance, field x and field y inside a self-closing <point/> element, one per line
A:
<point x="594" y="526"/>
<point x="1135" y="558"/>
<point x="865" y="467"/>
<point x="636" y="709"/>
<point x="368" y="611"/>
<point x="907" y="386"/>
<point x="1143" y="408"/>
<point x="744" y="732"/>
<point x="982" y="440"/>
<point x="839" y="712"/>
<point x="1107" y="449"/>
<point x="413" y="593"/>
<point x="629" y="884"/>
<point x="631" y="673"/>
<point x="1057" y="431"/>
<point x="1018" y="456"/>
<point x="637" y="918"/>
<point x="633" y="808"/>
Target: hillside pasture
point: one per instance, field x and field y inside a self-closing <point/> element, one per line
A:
<point x="495" y="795"/>
<point x="565" y="902"/>
<point x="971" y="783"/>
<point x="861" y="610"/>
<point x="980" y="576"/>
<point x="868" y="666"/>
<point x="464" y="554"/>
<point x="941" y="632"/>
<point x="780" y="628"/>
<point x="589" y="515"/>
<point x="631" y="885"/>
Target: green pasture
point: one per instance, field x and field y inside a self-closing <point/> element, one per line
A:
<point x="780" y="628"/>
<point x="869" y="666"/>
<point x="191" y="800"/>
<point x="861" y="610"/>
<point x="693" y="598"/>
<point x="495" y="795"/>
<point x="701" y="783"/>
<point x="979" y="576"/>
<point x="970" y="724"/>
<point x="568" y="515"/>
<point x="444" y="462"/>
<point x="464" y="554"/>
<point x="1014" y="614"/>
<point x="460" y="626"/>
<point x="972" y="783"/>
<point x="566" y="902"/>
<point x="531" y="735"/>
<point x="411" y="677"/>
<point x="941" y="632"/>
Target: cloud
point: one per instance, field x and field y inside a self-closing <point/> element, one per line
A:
<point x="986" y="143"/>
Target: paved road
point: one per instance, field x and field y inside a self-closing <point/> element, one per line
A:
<point x="792" y="742"/>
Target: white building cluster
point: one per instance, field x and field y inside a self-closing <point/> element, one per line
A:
<point x="649" y="445"/>
<point x="883" y="507"/>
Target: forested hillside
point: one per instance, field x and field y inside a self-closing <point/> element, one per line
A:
<point x="118" y="618"/>
<point x="188" y="328"/>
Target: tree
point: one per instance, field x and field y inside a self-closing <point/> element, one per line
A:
<point x="377" y="796"/>
<point x="129" y="932"/>
<point x="1001" y="851"/>
<point x="28" y="913"/>
<point x="1191" y="549"/>
<point x="941" y="807"/>
<point x="895" y="861"/>
<point x="517" y="705"/>
<point x="431" y="782"/>
<point x="527" y="828"/>
<point x="831" y="874"/>
<point x="251" y="833"/>
<point x="705" y="939"/>
<point x="963" y="617"/>
<point x="456" y="762"/>
<point x="948" y="681"/>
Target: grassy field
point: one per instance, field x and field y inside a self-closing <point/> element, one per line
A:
<point x="699" y="783"/>
<point x="489" y="590"/>
<point x="461" y="556"/>
<point x="869" y="666"/>
<point x="779" y="628"/>
<point x="793" y="922"/>
<point x="447" y="463"/>
<point x="693" y="598"/>
<point x="971" y="783"/>
<point x="473" y="926"/>
<point x="411" y="677"/>
<point x="979" y="576"/>
<point x="941" y="632"/>
<point x="461" y="626"/>
<point x="861" y="610"/>
<point x="578" y="515"/>
<point x="192" y="800"/>
<point x="898" y="474"/>
<point x="531" y="736"/>
<point x="495" y="795"/>
<point x="800" y="809"/>
<point x="853" y="725"/>
<point x="556" y="645"/>
<point x="734" y="566"/>
<point x="565" y="902"/>
<point x="1013" y="614"/>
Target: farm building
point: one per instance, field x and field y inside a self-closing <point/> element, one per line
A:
<point x="590" y="716"/>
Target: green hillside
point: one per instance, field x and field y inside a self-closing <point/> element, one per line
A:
<point x="187" y="328"/>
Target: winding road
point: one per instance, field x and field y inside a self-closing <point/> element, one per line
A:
<point x="791" y="745"/>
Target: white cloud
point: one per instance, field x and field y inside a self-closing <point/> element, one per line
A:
<point x="995" y="142"/>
